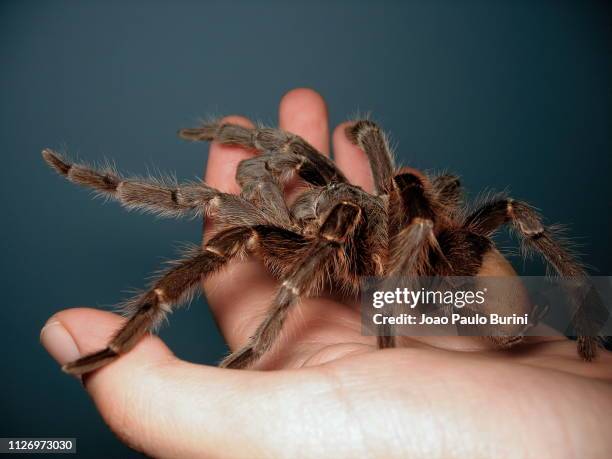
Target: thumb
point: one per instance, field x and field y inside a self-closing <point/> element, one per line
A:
<point x="166" y="407"/>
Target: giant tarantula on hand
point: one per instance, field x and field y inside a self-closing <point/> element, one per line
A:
<point x="331" y="235"/>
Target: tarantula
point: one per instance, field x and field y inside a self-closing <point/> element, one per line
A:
<point x="332" y="235"/>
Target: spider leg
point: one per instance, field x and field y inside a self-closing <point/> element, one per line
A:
<point x="316" y="168"/>
<point x="157" y="196"/>
<point x="414" y="238"/>
<point x="177" y="286"/>
<point x="373" y="141"/>
<point x="414" y="242"/>
<point x="487" y="219"/>
<point x="262" y="179"/>
<point x="448" y="191"/>
<point x="334" y="233"/>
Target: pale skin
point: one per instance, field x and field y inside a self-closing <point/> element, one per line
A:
<point x="327" y="391"/>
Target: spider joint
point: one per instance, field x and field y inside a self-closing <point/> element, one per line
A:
<point x="214" y="250"/>
<point x="332" y="238"/>
<point x="160" y="295"/>
<point x="289" y="286"/>
<point x="214" y="203"/>
<point x="422" y="222"/>
<point x="252" y="242"/>
<point x="286" y="146"/>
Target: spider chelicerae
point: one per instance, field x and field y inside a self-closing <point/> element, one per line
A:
<point x="332" y="234"/>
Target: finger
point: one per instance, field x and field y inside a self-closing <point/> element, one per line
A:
<point x="304" y="112"/>
<point x="352" y="160"/>
<point x="166" y="407"/>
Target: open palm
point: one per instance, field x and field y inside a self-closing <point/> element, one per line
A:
<point x="328" y="391"/>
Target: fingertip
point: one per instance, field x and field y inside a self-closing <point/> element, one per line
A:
<point x="306" y="97"/>
<point x="74" y="333"/>
<point x="351" y="159"/>
<point x="89" y="328"/>
<point x="223" y="160"/>
<point x="58" y="342"/>
<point x="303" y="111"/>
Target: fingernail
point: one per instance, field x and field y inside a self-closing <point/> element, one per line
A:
<point x="58" y="342"/>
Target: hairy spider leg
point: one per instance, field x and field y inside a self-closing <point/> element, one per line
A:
<point x="333" y="235"/>
<point x="526" y="221"/>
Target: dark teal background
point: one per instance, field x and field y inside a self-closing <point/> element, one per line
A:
<point x="507" y="94"/>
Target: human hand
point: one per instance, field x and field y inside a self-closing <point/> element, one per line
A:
<point x="329" y="392"/>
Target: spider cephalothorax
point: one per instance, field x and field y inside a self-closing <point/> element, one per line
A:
<point x="332" y="234"/>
